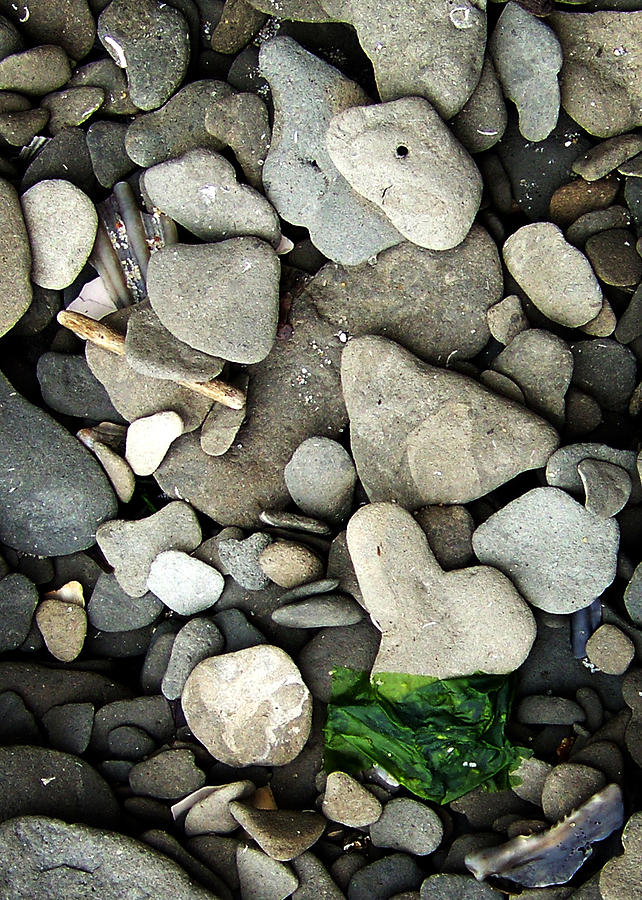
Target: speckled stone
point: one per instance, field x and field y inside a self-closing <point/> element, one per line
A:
<point x="15" y="259"/>
<point x="610" y="650"/>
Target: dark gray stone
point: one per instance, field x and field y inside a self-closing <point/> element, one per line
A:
<point x="110" y="608"/>
<point x="17" y="723"/>
<point x="15" y="259"/>
<point x="106" y="146"/>
<point x="153" y="714"/>
<point x="385" y="877"/>
<point x="69" y="726"/>
<point x="237" y="631"/>
<point x="606" y="370"/>
<point x="168" y="775"/>
<point x="241" y="560"/>
<point x="64" y="156"/>
<point x="69" y="386"/>
<point x="18" y="600"/>
<point x="354" y="646"/>
<point x="35" y="71"/>
<point x="70" y="24"/>
<point x="198" y="639"/>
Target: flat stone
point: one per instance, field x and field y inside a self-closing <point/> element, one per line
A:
<point x="151" y="714"/>
<point x="168" y="775"/>
<point x="45" y="782"/>
<point x="532" y="774"/>
<point x="111" y="609"/>
<point x="71" y="24"/>
<point x="444" y="886"/>
<point x="300" y="179"/>
<point x="10" y="39"/>
<point x="105" y="74"/>
<point x="353" y="646"/>
<point x="131" y="547"/>
<point x="620" y="875"/>
<point x="68" y="386"/>
<point x="568" y="786"/>
<point x="18" y="601"/>
<point x="606" y="156"/>
<point x="289" y="563"/>
<point x="347" y="801"/>
<point x="184" y="584"/>
<point x="46" y="476"/>
<point x="250" y="707"/>
<point x="212" y="812"/>
<point x="401" y="157"/>
<point x="541" y="709"/>
<point x="128" y="742"/>
<point x="449" y="530"/>
<point x="482" y="120"/>
<point x="69" y="726"/>
<point x="388" y="549"/>
<point x="578" y="197"/>
<point x="542" y="365"/>
<point x="321" y="477"/>
<point x="61" y="222"/>
<point x="64" y="157"/>
<point x="385" y="877"/>
<point x="148" y="440"/>
<point x="20" y="127"/>
<point x="591" y="223"/>
<point x="200" y="191"/>
<point x="72" y="106"/>
<point x="411" y="429"/>
<point x="241" y="560"/>
<point x="291" y="524"/>
<point x="116" y="468"/>
<point x="221" y="425"/>
<point x="559" y="555"/>
<point x="322" y="611"/>
<point x="35" y="71"/>
<point x="15" y="259"/>
<point x="606" y="370"/>
<point x="115" y="865"/>
<point x="17" y="723"/>
<point x="434" y="303"/>
<point x="63" y="625"/>
<point x="602" y="93"/>
<point x="197" y="640"/>
<point x="629" y="326"/>
<point x="528" y="56"/>
<point x="610" y="650"/>
<point x="562" y="467"/>
<point x="281" y="833"/>
<point x="259" y="875"/>
<point x="210" y="280"/>
<point x="556" y="276"/>
<point x="150" y="41"/>
<point x="607" y="486"/>
<point x="507" y="319"/>
<point x="614" y="258"/>
<point x="408" y="826"/>
<point x="106" y="146"/>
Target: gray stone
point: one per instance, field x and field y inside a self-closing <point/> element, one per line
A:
<point x="200" y="191"/>
<point x="464" y="887"/>
<point x="211" y="813"/>
<point x="282" y="834"/>
<point x="104" y="73"/>
<point x="532" y="774"/>
<point x="15" y="259"/>
<point x="542" y="709"/>
<point x="222" y="424"/>
<point x="18" y="600"/>
<point x="69" y="726"/>
<point x="289" y="563"/>
<point x="620" y="875"/>
<point x="412" y="428"/>
<point x="606" y="156"/>
<point x="20" y="127"/>
<point x="559" y="555"/>
<point x="568" y="786"/>
<point x="250" y="707"/>
<point x="347" y="801"/>
<point x="35" y="71"/>
<point x="385" y="877"/>
<point x="208" y="550"/>
<point x="184" y="584"/>
<point x="449" y="530"/>
<point x="110" y="608"/>
<point x="157" y="657"/>
<point x="409" y="826"/>
<point x="69" y="386"/>
<point x="10" y="39"/>
<point x="66" y="157"/>
<point x="562" y="467"/>
<point x="607" y="486"/>
<point x="353" y="646"/>
<point x="595" y="221"/>
<point x="43" y="857"/>
<point x="131" y="547"/>
<point x="197" y="640"/>
<point x="542" y="365"/>
<point x="116" y="468"/>
<point x="434" y="303"/>
<point x="106" y="145"/>
<point x="261" y="876"/>
<point x="219" y="298"/>
<point x="45" y="477"/>
<point x="480" y="124"/>
<point x="314" y="881"/>
<point x="401" y="157"/>
<point x="300" y="179"/>
<point x="606" y="370"/>
<point x="241" y="560"/>
<point x="322" y="611"/>
<point x="242" y="122"/>
<point x="130" y="742"/>
<point x="555" y="276"/>
<point x="151" y="41"/>
<point x="527" y="56"/>
<point x="610" y="650"/>
<point x="72" y="106"/>
<point x="602" y="93"/>
<point x="168" y="775"/>
<point x="507" y="319"/>
<point x="151" y="714"/>
<point x="17" y="723"/>
<point x="61" y="222"/>
<point x="239" y="634"/>
<point x="633" y="596"/>
<point x="70" y="25"/>
<point x="404" y="588"/>
<point x="321" y="477"/>
<point x="149" y="439"/>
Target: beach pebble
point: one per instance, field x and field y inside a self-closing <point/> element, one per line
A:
<point x="62" y="621"/>
<point x="69" y="726"/>
<point x="321" y="477"/>
<point x="480" y="124"/>
<point x="559" y="555"/>
<point x="507" y="319"/>
<point x="197" y="640"/>
<point x="409" y="826"/>
<point x="579" y="197"/>
<point x="401" y="157"/>
<point x="168" y="775"/>
<point x="61" y="222"/>
<point x="527" y="56"/>
<point x="322" y="611"/>
<point x="597" y="220"/>
<point x="131" y="547"/>
<point x="532" y="774"/>
<point x="106" y="146"/>
<point x="347" y="801"/>
<point x="35" y="71"/>
<point x="614" y="258"/>
<point x="240" y="559"/>
<point x="607" y="155"/>
<point x="353" y="646"/>
<point x="69" y="386"/>
<point x="261" y="876"/>
<point x="116" y="468"/>
<point x="221" y="425"/>
<point x="610" y="650"/>
<point x="314" y="879"/>
<point x="249" y="707"/>
<point x="242" y="123"/>
<point x="449" y="530"/>
<point x="562" y="467"/>
<point x="111" y="609"/>
<point x="282" y="834"/>
<point x="18" y="600"/>
<point x="447" y="885"/>
<point x="150" y="40"/>
<point x="15" y="259"/>
<point x="388" y="549"/>
<point x="385" y="877"/>
<point x="211" y="814"/>
<point x="620" y="876"/>
<point x="556" y="276"/>
<point x="606" y="370"/>
<point x="568" y="786"/>
<point x="218" y="275"/>
<point x="105" y="74"/>
<point x="541" y="709"/>
<point x="72" y="106"/>
<point x="607" y="487"/>
<point x="184" y="584"/>
<point x="288" y="563"/>
<point x="148" y="440"/>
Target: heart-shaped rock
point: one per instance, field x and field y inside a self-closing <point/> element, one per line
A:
<point x="444" y="624"/>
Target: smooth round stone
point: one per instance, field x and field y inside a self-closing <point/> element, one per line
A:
<point x="261" y="876"/>
<point x="572" y="200"/>
<point x="401" y="157"/>
<point x="63" y="626"/>
<point x="18" y="601"/>
<point x="349" y="802"/>
<point x="168" y="775"/>
<point x="353" y="646"/>
<point x="240" y="559"/>
<point x="35" y="71"/>
<point x="111" y="609"/>
<point x="68" y="386"/>
<point x="388" y="876"/>
<point x="527" y="56"/>
<point x="211" y="814"/>
<point x="235" y="284"/>
<point x="149" y="438"/>
<point x="610" y="650"/>
<point x="540" y="709"/>
<point x="184" y="584"/>
<point x="69" y="726"/>
<point x="562" y="466"/>
<point x="598" y="220"/>
<point x="607" y="155"/>
<point x="61" y="222"/>
<point x="250" y="707"/>
<point x="65" y="157"/>
<point x="200" y="191"/>
<point x="15" y="259"/>
<point x="69" y="24"/>
<point x="106" y="145"/>
<point x="197" y="640"/>
<point x="555" y="276"/>
<point x="151" y="41"/>
<point x="409" y="826"/>
<point x="606" y="370"/>
<point x="289" y="564"/>
<point x="607" y="487"/>
<point x="614" y="258"/>
<point x="532" y="774"/>
<point x="130" y="742"/>
<point x="18" y="128"/>
<point x="282" y="834"/>
<point x="482" y="121"/>
<point x="72" y="107"/>
<point x="321" y="478"/>
<point x="116" y="468"/>
<point x="325" y="610"/>
<point x="105" y="74"/>
<point x="10" y="39"/>
<point x="620" y="875"/>
<point x="568" y="786"/>
<point x="507" y="319"/>
<point x="558" y="555"/>
<point x="221" y="425"/>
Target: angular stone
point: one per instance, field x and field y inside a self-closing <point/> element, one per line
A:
<point x="401" y="157"/>
<point x="282" y="834"/>
<point x="559" y="555"/>
<point x="15" y="259"/>
<point x="197" y="640"/>
<point x="211" y="814"/>
<point x="250" y="707"/>
<point x="349" y="802"/>
<point x="404" y="587"/>
<point x="422" y="435"/>
<point x="184" y="584"/>
<point x="149" y="438"/>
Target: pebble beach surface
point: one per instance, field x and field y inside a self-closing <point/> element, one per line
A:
<point x="320" y="450"/>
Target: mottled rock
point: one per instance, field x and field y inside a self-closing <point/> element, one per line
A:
<point x="149" y="438"/>
<point x="282" y="834"/>
<point x="240" y="559"/>
<point x="347" y="801"/>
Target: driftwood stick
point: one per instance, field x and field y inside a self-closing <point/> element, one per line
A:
<point x="103" y="336"/>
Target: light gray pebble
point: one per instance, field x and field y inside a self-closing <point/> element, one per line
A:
<point x="211" y="814"/>
<point x="198" y="639"/>
<point x="321" y="611"/>
<point x="607" y="487"/>
<point x="289" y="563"/>
<point x="184" y="584"/>
<point x="241" y="560"/>
<point x="610" y="650"/>
<point x="409" y="826"/>
<point x="320" y="477"/>
<point x="464" y="887"/>
<point x="261" y="876"/>
<point x="347" y="801"/>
